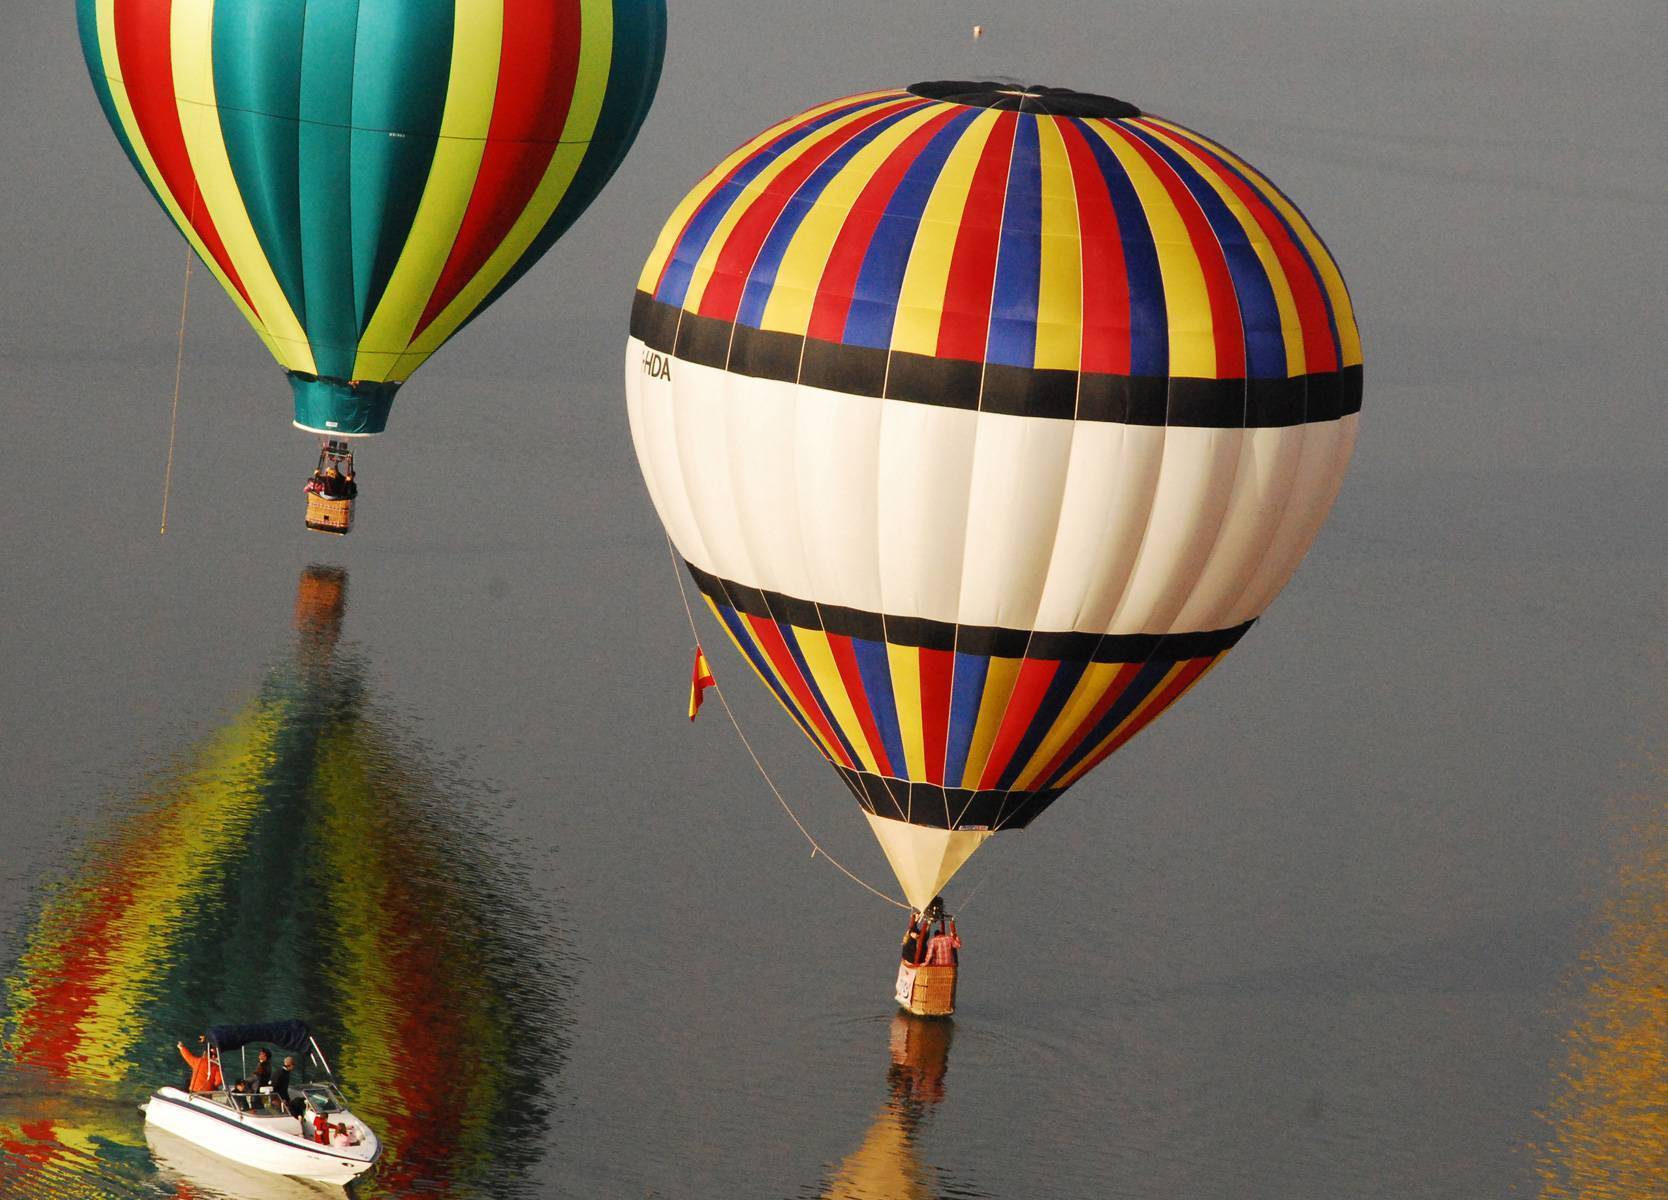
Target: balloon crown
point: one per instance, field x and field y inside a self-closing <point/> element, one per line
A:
<point x="1015" y="96"/>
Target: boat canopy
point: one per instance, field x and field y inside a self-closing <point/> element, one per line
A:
<point x="286" y="1035"/>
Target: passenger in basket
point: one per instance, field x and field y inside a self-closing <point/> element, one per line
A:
<point x="941" y="951"/>
<point x="205" y="1072"/>
<point x="335" y="487"/>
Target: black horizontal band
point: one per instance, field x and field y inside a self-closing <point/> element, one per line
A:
<point x="988" y="640"/>
<point x="936" y="807"/>
<point x="993" y="387"/>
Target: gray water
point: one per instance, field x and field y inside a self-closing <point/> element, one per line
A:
<point x="1378" y="911"/>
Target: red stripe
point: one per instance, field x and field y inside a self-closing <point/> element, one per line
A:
<point x="852" y="678"/>
<point x="1035" y="674"/>
<point x="730" y="272"/>
<point x="144" y="52"/>
<point x="1106" y="327"/>
<point x="851" y="246"/>
<point x="1149" y="714"/>
<point x="937" y="671"/>
<point x="538" y="65"/>
<point x="1320" y="352"/>
<point x="1114" y="689"/>
<point x="719" y="186"/>
<point x="787" y="671"/>
<point x="1219" y="285"/>
<point x="965" y="323"/>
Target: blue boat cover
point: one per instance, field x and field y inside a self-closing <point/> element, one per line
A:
<point x="286" y="1035"/>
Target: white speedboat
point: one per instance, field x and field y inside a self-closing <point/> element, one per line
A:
<point x="309" y="1133"/>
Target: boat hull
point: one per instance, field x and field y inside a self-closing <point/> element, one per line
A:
<point x="267" y="1143"/>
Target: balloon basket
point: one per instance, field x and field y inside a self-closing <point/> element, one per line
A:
<point x="329" y="516"/>
<point x="927" y="989"/>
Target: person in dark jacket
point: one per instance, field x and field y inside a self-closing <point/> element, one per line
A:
<point x="263" y="1072"/>
<point x="281" y="1087"/>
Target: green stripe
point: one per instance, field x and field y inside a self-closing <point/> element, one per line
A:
<point x="86" y="22"/>
<point x="257" y="60"/>
<point x="332" y="406"/>
<point x="399" y="96"/>
<point x="324" y="146"/>
<point x="634" y="72"/>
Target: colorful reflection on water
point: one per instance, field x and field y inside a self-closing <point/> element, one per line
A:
<point x="1608" y="1115"/>
<point x="305" y="860"/>
<point x="888" y="1165"/>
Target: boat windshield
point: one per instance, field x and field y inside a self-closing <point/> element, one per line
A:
<point x="322" y="1098"/>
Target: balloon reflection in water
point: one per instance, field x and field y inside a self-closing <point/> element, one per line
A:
<point x="887" y="1165"/>
<point x="304" y="860"/>
<point x="1606" y="1136"/>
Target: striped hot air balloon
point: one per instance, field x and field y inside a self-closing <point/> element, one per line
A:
<point x="988" y="418"/>
<point x="364" y="176"/>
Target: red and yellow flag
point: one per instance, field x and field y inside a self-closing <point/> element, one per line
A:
<point x="700" y="679"/>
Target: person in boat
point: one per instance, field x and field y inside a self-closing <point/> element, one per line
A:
<point x="263" y="1072"/>
<point x="281" y="1087"/>
<point x="205" y="1072"/>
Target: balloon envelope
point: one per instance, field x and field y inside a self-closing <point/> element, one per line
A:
<point x="364" y="176"/>
<point x="988" y="419"/>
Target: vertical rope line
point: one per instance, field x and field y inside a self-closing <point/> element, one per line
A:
<point x="689" y="611"/>
<point x="179" y="371"/>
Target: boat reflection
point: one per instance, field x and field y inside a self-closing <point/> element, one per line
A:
<point x="305" y="860"/>
<point x="888" y="1165"/>
<point x="1605" y="1119"/>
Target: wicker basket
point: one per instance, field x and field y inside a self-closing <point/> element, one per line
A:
<point x="329" y="516"/>
<point x="928" y="990"/>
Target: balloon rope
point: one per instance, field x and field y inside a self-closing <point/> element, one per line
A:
<point x="179" y="368"/>
<point x="677" y="573"/>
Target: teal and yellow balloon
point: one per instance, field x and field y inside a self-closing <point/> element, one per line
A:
<point x="365" y="176"/>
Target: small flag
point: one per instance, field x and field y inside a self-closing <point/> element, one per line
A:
<point x="700" y="679"/>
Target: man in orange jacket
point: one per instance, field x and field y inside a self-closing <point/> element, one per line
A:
<point x="205" y="1072"/>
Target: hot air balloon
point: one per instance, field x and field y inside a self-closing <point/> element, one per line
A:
<point x="987" y="419"/>
<point x="363" y="177"/>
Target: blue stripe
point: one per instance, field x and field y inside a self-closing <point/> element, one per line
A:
<point x="1259" y="312"/>
<point x="874" y="304"/>
<point x="1149" y="323"/>
<point x="791" y="637"/>
<point x="876" y="671"/>
<point x="966" y="691"/>
<point x="1146" y="679"/>
<point x="755" y="654"/>
<point x="762" y="278"/>
<point x="1013" y="303"/>
<point x="675" y="284"/>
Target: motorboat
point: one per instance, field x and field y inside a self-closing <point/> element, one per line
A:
<point x="309" y="1132"/>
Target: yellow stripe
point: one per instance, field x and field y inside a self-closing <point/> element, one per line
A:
<point x="702" y="274"/>
<point x="1089" y="759"/>
<point x="192" y="47"/>
<point x="1060" y="284"/>
<point x="801" y="269"/>
<point x="1187" y="303"/>
<point x="477" y="44"/>
<point x="1000" y="676"/>
<point x="1291" y="326"/>
<point x="1343" y="312"/>
<point x="813" y="644"/>
<point x="669" y="233"/>
<point x="1088" y="693"/>
<point x="596" y="51"/>
<point x="921" y="298"/>
<point x="906" y="694"/>
<point x="130" y="127"/>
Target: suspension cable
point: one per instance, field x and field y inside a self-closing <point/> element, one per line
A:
<point x="816" y="849"/>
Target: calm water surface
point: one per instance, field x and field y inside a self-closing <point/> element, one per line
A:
<point x="1377" y="912"/>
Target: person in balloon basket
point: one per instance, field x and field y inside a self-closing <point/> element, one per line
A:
<point x="918" y="939"/>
